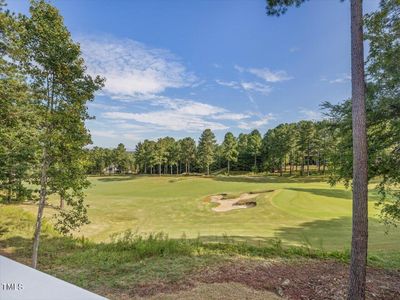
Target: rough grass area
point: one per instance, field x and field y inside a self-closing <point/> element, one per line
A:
<point x="133" y="266"/>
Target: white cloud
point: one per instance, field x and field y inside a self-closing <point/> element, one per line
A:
<point x="239" y="68"/>
<point x="230" y="116"/>
<point x="263" y="120"/>
<point x="310" y="114"/>
<point x="247" y="86"/>
<point x="183" y="115"/>
<point x="169" y="120"/>
<point x="257" y="87"/>
<point x="265" y="74"/>
<point x="104" y="106"/>
<point x="341" y="79"/>
<point x="104" y="133"/>
<point x="115" y="135"/>
<point x="176" y="115"/>
<point x="132" y="69"/>
<point x="198" y="109"/>
<point x="131" y="137"/>
<point x="232" y="84"/>
<point x="268" y="75"/>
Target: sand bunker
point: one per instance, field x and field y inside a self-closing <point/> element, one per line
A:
<point x="236" y="203"/>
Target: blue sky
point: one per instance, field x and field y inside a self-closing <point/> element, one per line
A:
<point x="177" y="67"/>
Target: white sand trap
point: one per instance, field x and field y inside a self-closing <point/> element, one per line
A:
<point x="230" y="204"/>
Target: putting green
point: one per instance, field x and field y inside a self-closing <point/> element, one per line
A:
<point x="297" y="211"/>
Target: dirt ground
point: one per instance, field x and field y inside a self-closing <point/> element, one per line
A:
<point x="271" y="280"/>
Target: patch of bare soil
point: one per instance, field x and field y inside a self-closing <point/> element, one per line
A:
<point x="243" y="201"/>
<point x="299" y="281"/>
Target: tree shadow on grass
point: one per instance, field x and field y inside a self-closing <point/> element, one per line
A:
<point x="268" y="179"/>
<point x="332" y="234"/>
<point x="116" y="178"/>
<point x="240" y="179"/>
<point x="330" y="192"/>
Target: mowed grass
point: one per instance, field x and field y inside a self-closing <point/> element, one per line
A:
<point x="299" y="211"/>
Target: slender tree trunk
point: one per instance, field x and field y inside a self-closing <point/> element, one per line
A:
<point x="228" y="166"/>
<point x="319" y="162"/>
<point x="9" y="189"/>
<point x="42" y="203"/>
<point x="359" y="242"/>
<point x="159" y="169"/>
<point x="62" y="202"/>
<point x="323" y="166"/>
<point x="255" y="162"/>
<point x="208" y="169"/>
<point x="308" y="162"/>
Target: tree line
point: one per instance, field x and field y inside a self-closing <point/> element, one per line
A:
<point x="101" y="161"/>
<point x="286" y="148"/>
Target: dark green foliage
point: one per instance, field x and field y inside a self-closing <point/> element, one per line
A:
<point x="383" y="113"/>
<point x="280" y="7"/>
<point x="206" y="149"/>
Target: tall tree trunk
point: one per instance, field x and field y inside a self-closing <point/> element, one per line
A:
<point x="228" y="166"/>
<point x="159" y="169"/>
<point x="359" y="242"/>
<point x="319" y="162"/>
<point x="208" y="169"/>
<point x="255" y="161"/>
<point x="62" y="202"/>
<point x="42" y="203"/>
<point x="10" y="188"/>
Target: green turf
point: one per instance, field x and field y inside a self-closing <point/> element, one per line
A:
<point x="131" y="260"/>
<point x="298" y="211"/>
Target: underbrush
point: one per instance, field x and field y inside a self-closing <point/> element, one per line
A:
<point x="131" y="258"/>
